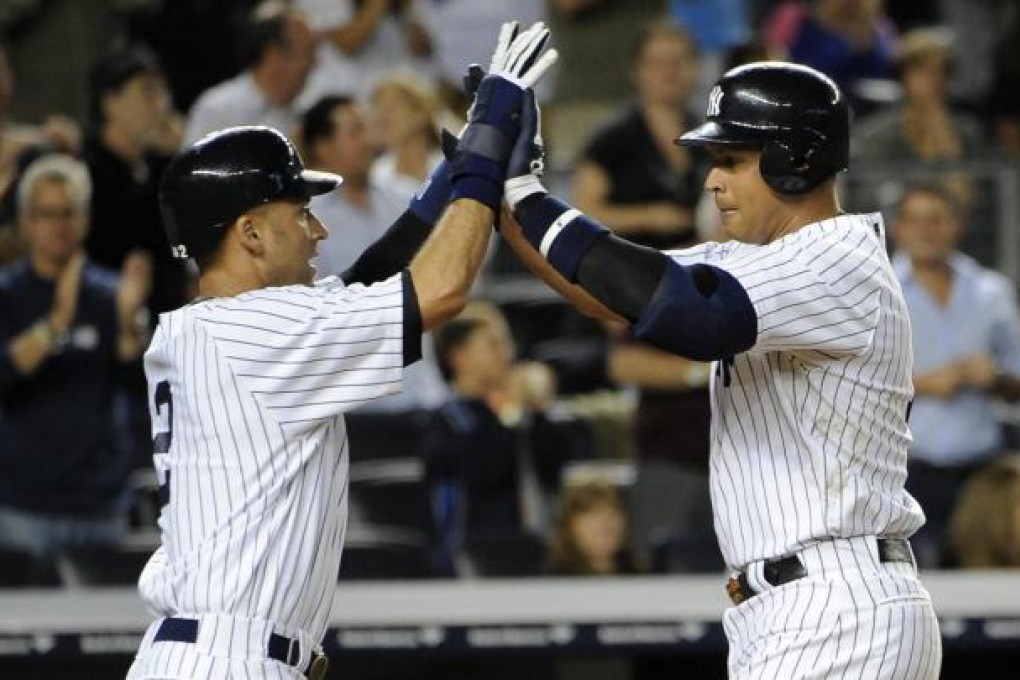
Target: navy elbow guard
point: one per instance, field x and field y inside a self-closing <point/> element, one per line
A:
<point x="699" y="312"/>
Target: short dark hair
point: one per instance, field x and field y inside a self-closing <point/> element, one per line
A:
<point x="266" y="27"/>
<point x="115" y="70"/>
<point x="450" y="337"/>
<point x="317" y="123"/>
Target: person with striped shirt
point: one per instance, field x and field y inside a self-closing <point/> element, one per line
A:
<point x="806" y="324"/>
<point x="249" y="382"/>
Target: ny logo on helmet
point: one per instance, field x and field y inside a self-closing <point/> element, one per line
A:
<point x="714" y="101"/>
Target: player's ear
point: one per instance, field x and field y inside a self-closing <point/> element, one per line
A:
<point x="250" y="234"/>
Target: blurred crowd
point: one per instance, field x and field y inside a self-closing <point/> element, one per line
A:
<point x="530" y="440"/>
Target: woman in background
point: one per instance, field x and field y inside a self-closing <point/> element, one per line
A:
<point x="590" y="533"/>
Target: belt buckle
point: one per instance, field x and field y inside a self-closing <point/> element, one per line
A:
<point x="318" y="667"/>
<point x="734" y="590"/>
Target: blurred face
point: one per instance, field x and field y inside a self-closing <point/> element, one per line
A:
<point x="291" y="235"/>
<point x="483" y="355"/>
<point x="667" y="70"/>
<point x="140" y="106"/>
<point x="926" y="228"/>
<point x="749" y="210"/>
<point x="599" y="531"/>
<point x="925" y="80"/>
<point x="296" y="56"/>
<point x="53" y="225"/>
<point x="396" y="117"/>
<point x="348" y="151"/>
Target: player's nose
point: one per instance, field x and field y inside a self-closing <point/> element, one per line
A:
<point x="319" y="230"/>
<point x="714" y="181"/>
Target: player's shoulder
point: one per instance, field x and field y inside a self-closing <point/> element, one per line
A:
<point x="853" y="239"/>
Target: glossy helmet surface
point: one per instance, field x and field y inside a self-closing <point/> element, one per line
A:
<point x="795" y="114"/>
<point x="215" y="180"/>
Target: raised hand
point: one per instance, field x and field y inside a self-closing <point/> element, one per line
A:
<point x="135" y="284"/>
<point x="65" y="295"/>
<point x="478" y="159"/>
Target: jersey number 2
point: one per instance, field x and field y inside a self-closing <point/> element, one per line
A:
<point x="161" y="442"/>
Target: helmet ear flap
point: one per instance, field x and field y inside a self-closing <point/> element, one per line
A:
<point x="790" y="170"/>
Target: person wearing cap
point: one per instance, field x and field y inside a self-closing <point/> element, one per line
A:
<point x="806" y="325"/>
<point x="249" y="383"/>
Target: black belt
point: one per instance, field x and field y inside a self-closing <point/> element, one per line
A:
<point x="786" y="569"/>
<point x="280" y="648"/>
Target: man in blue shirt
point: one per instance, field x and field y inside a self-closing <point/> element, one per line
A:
<point x="966" y="336"/>
<point x="67" y="328"/>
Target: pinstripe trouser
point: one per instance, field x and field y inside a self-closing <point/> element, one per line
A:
<point x="227" y="647"/>
<point x="850" y="617"/>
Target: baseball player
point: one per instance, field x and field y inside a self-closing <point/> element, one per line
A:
<point x="249" y="382"/>
<point x="811" y="389"/>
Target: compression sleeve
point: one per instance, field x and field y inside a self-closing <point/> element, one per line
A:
<point x="391" y="252"/>
<point x="700" y="312"/>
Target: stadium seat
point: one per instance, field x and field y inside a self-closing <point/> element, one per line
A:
<point x="503" y="555"/>
<point x="374" y="436"/>
<point x="103" y="565"/>
<point x="375" y="553"/>
<point x="391" y="492"/>
<point x="19" y="569"/>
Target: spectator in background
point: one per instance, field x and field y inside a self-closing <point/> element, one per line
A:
<point x="136" y="131"/>
<point x="595" y="40"/>
<point x="494" y="452"/>
<point x="53" y="44"/>
<point x="19" y="145"/>
<point x="631" y="176"/>
<point x="923" y="127"/>
<point x="636" y="181"/>
<point x="404" y="119"/>
<point x="590" y="535"/>
<point x="67" y="327"/>
<point x="851" y="41"/>
<point x="966" y="337"/>
<point x="334" y="138"/>
<point x="279" y="56"/>
<point x="363" y="41"/>
<point x="985" y="527"/>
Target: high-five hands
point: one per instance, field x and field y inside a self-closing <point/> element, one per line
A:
<point x="478" y="160"/>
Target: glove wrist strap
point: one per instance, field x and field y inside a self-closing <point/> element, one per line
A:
<point x="517" y="189"/>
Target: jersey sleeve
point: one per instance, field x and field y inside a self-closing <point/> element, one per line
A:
<point x="309" y="353"/>
<point x="823" y="299"/>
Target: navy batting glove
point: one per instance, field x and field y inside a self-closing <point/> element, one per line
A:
<point x="478" y="161"/>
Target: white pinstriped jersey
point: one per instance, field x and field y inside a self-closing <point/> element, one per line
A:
<point x="810" y="436"/>
<point x="247" y="397"/>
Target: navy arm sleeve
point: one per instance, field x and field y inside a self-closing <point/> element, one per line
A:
<point x="699" y="312"/>
<point x="392" y="252"/>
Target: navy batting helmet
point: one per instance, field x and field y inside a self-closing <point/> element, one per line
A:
<point x="796" y="115"/>
<point x="211" y="183"/>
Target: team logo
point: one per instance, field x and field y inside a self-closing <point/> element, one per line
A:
<point x="714" y="102"/>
